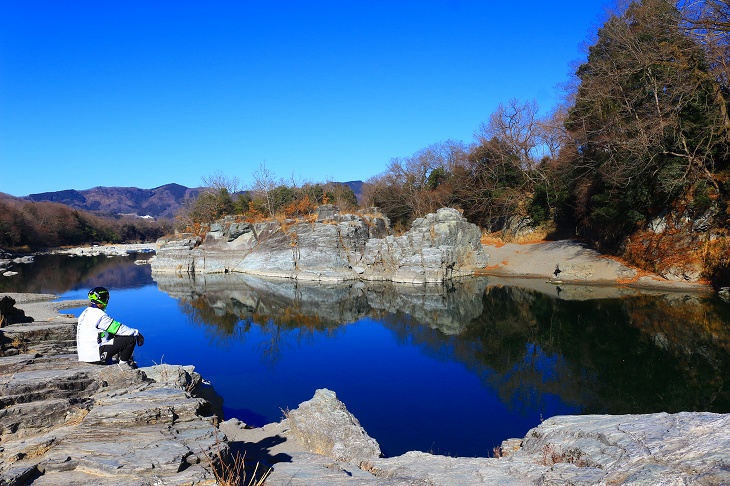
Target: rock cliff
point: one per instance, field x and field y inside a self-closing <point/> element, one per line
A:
<point x="333" y="248"/>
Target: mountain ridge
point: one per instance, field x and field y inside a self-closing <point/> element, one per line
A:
<point x="159" y="202"/>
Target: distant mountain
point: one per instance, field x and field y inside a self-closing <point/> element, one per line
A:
<point x="160" y="202"/>
<point x="356" y="187"/>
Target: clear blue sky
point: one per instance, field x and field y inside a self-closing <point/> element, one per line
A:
<point x="145" y="93"/>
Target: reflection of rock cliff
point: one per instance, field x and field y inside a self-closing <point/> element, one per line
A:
<point x="334" y="248"/>
<point x="446" y="308"/>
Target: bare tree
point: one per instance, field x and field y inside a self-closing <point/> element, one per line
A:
<point x="263" y="185"/>
<point x="517" y="126"/>
<point x="416" y="185"/>
<point x="219" y="181"/>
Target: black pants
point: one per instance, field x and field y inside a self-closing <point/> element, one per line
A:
<point x="124" y="345"/>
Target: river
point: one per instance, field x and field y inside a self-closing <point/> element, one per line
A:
<point x="450" y="369"/>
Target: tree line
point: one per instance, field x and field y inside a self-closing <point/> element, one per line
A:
<point x="635" y="160"/>
<point x="269" y="197"/>
<point x="26" y="225"/>
<point x="641" y="142"/>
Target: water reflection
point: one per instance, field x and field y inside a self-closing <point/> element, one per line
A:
<point x="225" y="300"/>
<point x="636" y="354"/>
<point x="57" y="274"/>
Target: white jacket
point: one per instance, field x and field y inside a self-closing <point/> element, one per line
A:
<point x="92" y="321"/>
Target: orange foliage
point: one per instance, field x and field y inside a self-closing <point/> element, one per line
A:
<point x="673" y="248"/>
<point x="299" y="207"/>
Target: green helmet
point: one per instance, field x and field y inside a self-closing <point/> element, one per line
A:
<point x="99" y="296"/>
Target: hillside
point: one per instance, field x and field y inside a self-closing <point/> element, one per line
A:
<point x="160" y="202"/>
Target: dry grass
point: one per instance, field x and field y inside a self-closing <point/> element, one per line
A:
<point x="232" y="472"/>
<point x="553" y="455"/>
<point x="498" y="239"/>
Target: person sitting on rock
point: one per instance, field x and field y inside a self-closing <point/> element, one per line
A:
<point x="99" y="337"/>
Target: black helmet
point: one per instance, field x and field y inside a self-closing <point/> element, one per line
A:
<point x="99" y="296"/>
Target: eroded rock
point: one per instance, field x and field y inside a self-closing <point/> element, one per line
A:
<point x="325" y="426"/>
<point x="334" y="248"/>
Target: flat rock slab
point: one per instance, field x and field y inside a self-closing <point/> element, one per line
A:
<point x="67" y="422"/>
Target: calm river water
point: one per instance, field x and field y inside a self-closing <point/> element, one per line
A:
<point x="452" y="370"/>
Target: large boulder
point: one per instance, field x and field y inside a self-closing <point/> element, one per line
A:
<point x="329" y="447"/>
<point x="325" y="426"/>
<point x="437" y="247"/>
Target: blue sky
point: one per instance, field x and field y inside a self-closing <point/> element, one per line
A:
<point x="145" y="93"/>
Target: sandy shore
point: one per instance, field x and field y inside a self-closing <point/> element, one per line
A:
<point x="578" y="264"/>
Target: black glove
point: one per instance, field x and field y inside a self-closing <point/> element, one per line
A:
<point x="140" y="340"/>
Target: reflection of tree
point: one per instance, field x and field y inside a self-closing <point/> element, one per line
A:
<point x="59" y="273"/>
<point x="271" y="348"/>
<point x="629" y="355"/>
<point x="632" y="355"/>
<point x="227" y="319"/>
<point x="225" y="323"/>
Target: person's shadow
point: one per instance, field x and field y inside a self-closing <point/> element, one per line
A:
<point x="257" y="457"/>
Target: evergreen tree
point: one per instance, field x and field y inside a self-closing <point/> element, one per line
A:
<point x="645" y="120"/>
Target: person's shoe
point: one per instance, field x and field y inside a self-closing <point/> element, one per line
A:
<point x="127" y="365"/>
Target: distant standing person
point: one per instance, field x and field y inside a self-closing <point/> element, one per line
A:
<point x="99" y="337"/>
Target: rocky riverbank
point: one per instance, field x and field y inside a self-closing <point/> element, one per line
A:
<point x="65" y="422"/>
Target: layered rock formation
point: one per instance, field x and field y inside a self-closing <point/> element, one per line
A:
<point x="66" y="422"/>
<point x="333" y="248"/>
<point x="331" y="448"/>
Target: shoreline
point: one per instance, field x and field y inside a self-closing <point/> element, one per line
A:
<point x="578" y="264"/>
<point x="528" y="262"/>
